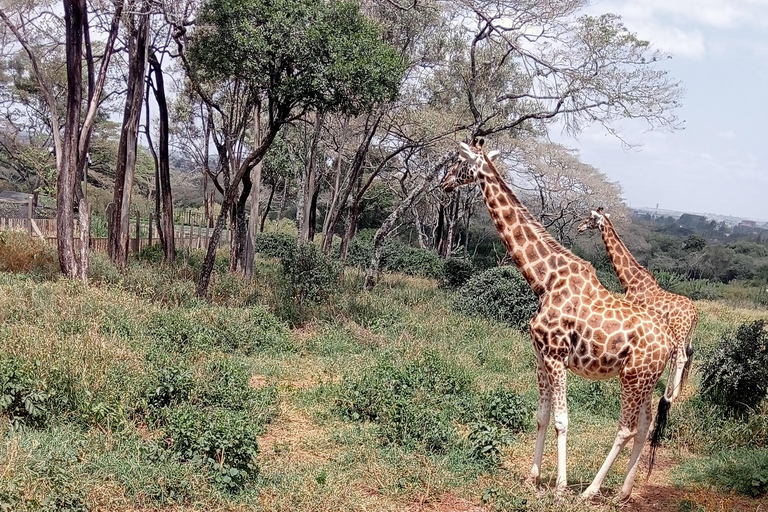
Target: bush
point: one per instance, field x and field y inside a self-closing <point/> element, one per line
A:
<point x="413" y="405"/>
<point x="274" y="245"/>
<point x="228" y="329"/>
<point x="23" y="400"/>
<point x="500" y="294"/>
<point x="225" y="442"/>
<point x="456" y="272"/>
<point x="152" y="254"/>
<point x="20" y="253"/>
<point x="736" y="374"/>
<point x="507" y="409"/>
<point x="310" y="274"/>
<point x="741" y="471"/>
<point x="396" y="257"/>
<point x="485" y="442"/>
<point x="169" y="386"/>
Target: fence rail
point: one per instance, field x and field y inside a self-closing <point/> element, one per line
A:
<point x="191" y="236"/>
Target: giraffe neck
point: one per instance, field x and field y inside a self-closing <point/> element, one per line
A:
<point x="631" y="274"/>
<point x="535" y="252"/>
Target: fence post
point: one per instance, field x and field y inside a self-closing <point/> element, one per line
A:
<point x="138" y="240"/>
<point x="29" y="213"/>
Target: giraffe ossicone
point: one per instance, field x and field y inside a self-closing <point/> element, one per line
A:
<point x="580" y="326"/>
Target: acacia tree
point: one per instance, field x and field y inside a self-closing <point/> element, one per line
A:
<point x="312" y="56"/>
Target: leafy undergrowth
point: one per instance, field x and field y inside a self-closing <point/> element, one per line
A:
<point x="131" y="393"/>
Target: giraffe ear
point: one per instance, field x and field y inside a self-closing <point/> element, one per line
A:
<point x="493" y="155"/>
<point x="607" y="215"/>
<point x="466" y="153"/>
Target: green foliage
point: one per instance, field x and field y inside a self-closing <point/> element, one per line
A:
<point x="229" y="329"/>
<point x="500" y="294"/>
<point x="507" y="409"/>
<point x="735" y="376"/>
<point x="23" y="400"/>
<point x="396" y="257"/>
<point x="224" y="442"/>
<point x="742" y="471"/>
<point x="310" y="274"/>
<point x="325" y="56"/>
<point x="413" y="404"/>
<point x="500" y="500"/>
<point x="456" y="272"/>
<point x="151" y="254"/>
<point x="596" y="397"/>
<point x="694" y="243"/>
<point x="486" y="442"/>
<point x="275" y="245"/>
<point x="169" y="386"/>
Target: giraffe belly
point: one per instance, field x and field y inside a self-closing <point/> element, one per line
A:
<point x="591" y="368"/>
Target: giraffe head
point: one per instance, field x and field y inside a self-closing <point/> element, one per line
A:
<point x="596" y="220"/>
<point x="471" y="158"/>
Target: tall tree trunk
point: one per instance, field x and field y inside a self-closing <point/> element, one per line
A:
<point x="332" y="205"/>
<point x="126" y="152"/>
<point x="283" y="198"/>
<point x="356" y="172"/>
<point x="73" y="21"/>
<point x="253" y="220"/>
<point x="312" y="221"/>
<point x="155" y="159"/>
<point x="169" y="241"/>
<point x="308" y="178"/>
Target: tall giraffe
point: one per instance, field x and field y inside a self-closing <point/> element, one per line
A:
<point x="580" y="325"/>
<point x="641" y="288"/>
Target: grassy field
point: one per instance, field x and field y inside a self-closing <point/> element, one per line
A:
<point x="130" y="394"/>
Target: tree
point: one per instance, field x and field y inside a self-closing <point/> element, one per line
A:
<point x="313" y="56"/>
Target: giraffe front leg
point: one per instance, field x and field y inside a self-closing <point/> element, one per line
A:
<point x="542" y="420"/>
<point x="557" y="380"/>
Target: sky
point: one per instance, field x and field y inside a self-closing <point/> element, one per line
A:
<point x="719" y="162"/>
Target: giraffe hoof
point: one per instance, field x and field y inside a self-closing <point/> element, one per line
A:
<point x="589" y="494"/>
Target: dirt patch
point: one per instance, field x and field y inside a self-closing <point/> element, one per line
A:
<point x="658" y="493"/>
<point x="446" y="503"/>
<point x="257" y="381"/>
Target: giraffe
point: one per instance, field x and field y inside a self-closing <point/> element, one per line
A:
<point x="641" y="288"/>
<point x="579" y="326"/>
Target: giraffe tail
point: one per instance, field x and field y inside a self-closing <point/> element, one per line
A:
<point x="662" y="415"/>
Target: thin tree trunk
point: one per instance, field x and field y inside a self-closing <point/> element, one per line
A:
<point x="164" y="169"/>
<point x="328" y="236"/>
<point x="73" y="22"/>
<point x="283" y="198"/>
<point x="269" y="205"/>
<point x="126" y="153"/>
<point x="85" y="239"/>
<point x="253" y="220"/>
<point x="307" y="188"/>
<point x="148" y="135"/>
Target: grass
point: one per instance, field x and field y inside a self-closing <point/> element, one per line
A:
<point x="144" y="380"/>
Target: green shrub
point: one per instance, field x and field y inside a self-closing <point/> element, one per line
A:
<point x="742" y="471"/>
<point x="151" y="254"/>
<point x="228" y="329"/>
<point x="412" y="261"/>
<point x="310" y="274"/>
<point x="668" y="280"/>
<point x="102" y="270"/>
<point x="735" y="376"/>
<point x="413" y="405"/>
<point x="485" y="442"/>
<point x="595" y="397"/>
<point x="23" y="400"/>
<point x="456" y="272"/>
<point x="698" y="289"/>
<point x="609" y="279"/>
<point x="169" y="386"/>
<point x="500" y="294"/>
<point x="506" y="409"/>
<point x="274" y="245"/>
<point x="223" y="441"/>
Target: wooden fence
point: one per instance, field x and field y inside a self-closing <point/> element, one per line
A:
<point x="187" y="236"/>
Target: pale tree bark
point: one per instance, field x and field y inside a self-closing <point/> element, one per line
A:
<point x="127" y="147"/>
<point x="253" y="220"/>
<point x="372" y="273"/>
